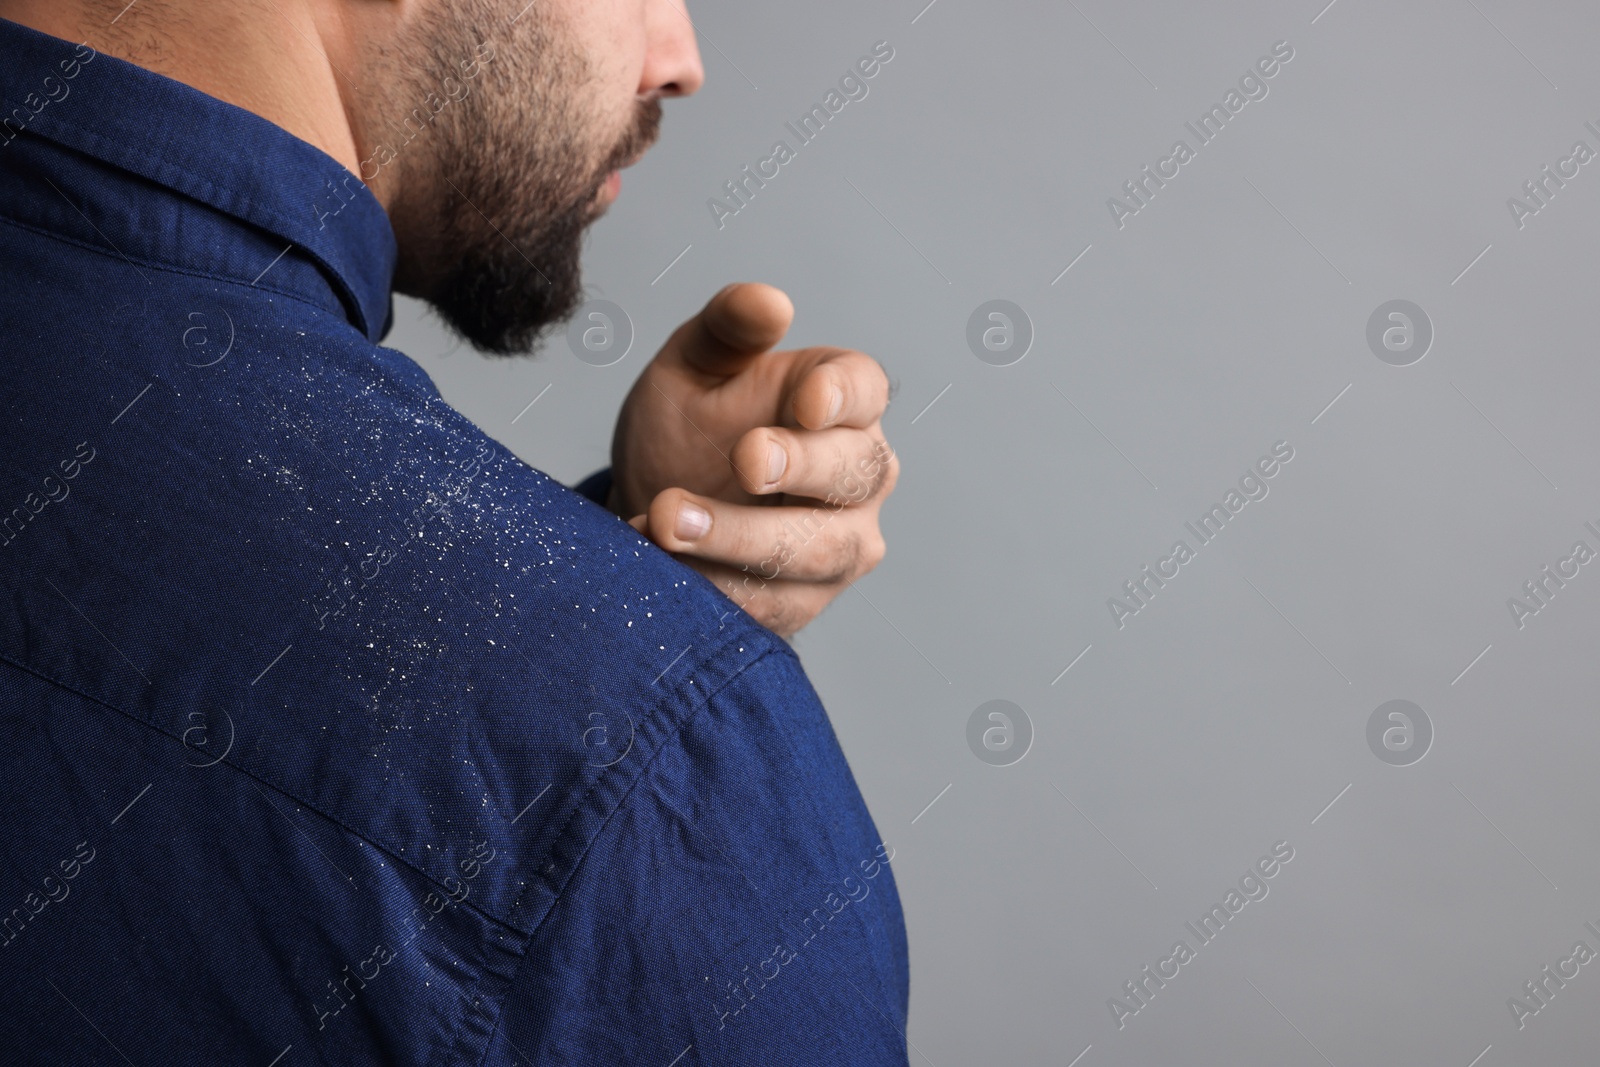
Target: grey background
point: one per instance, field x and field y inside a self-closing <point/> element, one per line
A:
<point x="1221" y="319"/>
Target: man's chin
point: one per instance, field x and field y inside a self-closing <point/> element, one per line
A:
<point x="503" y="305"/>
<point x="501" y="290"/>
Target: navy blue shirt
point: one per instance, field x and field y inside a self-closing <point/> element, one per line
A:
<point x="330" y="731"/>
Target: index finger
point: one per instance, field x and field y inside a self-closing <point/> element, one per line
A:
<point x="845" y="388"/>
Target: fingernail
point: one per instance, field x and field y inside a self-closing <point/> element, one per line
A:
<point x="777" y="462"/>
<point x="835" y="402"/>
<point x="693" y="522"/>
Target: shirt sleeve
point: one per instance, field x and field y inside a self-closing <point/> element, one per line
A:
<point x="596" y="487"/>
<point x="738" y="908"/>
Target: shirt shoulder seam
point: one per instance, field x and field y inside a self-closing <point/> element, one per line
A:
<point x="771" y="648"/>
<point x="703" y="699"/>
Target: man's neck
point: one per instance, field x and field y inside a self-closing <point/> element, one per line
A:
<point x="281" y="59"/>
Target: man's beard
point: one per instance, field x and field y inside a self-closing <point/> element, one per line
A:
<point x="493" y="221"/>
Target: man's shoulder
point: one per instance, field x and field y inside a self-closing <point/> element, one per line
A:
<point x="338" y="625"/>
<point x="741" y="898"/>
<point x="287" y="525"/>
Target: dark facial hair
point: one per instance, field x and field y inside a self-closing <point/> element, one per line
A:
<point x="492" y="225"/>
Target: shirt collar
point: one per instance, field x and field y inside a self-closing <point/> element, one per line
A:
<point x="210" y="151"/>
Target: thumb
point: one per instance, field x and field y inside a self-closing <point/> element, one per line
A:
<point x="743" y="320"/>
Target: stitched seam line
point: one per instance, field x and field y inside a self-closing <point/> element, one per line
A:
<point x="622" y="801"/>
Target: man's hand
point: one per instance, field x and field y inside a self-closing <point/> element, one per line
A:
<point x="762" y="470"/>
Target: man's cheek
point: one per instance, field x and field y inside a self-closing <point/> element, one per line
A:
<point x="484" y="55"/>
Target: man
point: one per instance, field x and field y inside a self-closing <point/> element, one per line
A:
<point x="334" y="733"/>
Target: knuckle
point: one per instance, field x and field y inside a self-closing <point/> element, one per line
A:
<point x="880" y="381"/>
<point x="842" y="478"/>
<point x="868" y="375"/>
<point x="873" y="549"/>
<point x="845" y="559"/>
<point x="879" y="470"/>
<point x="889" y="475"/>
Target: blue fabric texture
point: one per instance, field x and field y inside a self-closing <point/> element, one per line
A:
<point x="330" y="731"/>
<point x="597" y="486"/>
